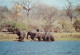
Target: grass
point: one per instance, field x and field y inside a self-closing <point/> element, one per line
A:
<point x="58" y="37"/>
<point x="10" y="37"/>
<point x="67" y="36"/>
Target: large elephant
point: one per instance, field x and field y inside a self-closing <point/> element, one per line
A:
<point x="50" y="36"/>
<point x="21" y="34"/>
<point x="42" y="36"/>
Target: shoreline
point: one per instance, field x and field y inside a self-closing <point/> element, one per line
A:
<point x="58" y="37"/>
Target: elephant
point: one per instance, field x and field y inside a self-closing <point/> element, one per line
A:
<point x="21" y="34"/>
<point x="50" y="36"/>
<point x="32" y="33"/>
<point x="42" y="36"/>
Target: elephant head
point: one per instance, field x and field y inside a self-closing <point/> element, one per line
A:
<point x="32" y="34"/>
<point x="21" y="34"/>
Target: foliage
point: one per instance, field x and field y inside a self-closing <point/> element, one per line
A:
<point x="78" y="8"/>
<point x="77" y="25"/>
<point x="40" y="15"/>
<point x="13" y="25"/>
<point x="69" y="10"/>
<point x="5" y="13"/>
<point x="66" y="26"/>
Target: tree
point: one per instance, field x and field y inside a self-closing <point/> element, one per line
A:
<point x="27" y="5"/>
<point x="77" y="25"/>
<point x="77" y="11"/>
<point x="5" y="13"/>
<point x="17" y="12"/>
<point x="48" y="14"/>
<point x="69" y="10"/>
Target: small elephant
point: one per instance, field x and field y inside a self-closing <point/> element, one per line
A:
<point x="21" y="34"/>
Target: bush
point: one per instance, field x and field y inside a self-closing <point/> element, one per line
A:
<point x="77" y="25"/>
<point x="11" y="26"/>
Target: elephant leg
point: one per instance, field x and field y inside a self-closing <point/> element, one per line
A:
<point x="46" y="39"/>
<point x="43" y="39"/>
<point x="32" y="38"/>
<point x="38" y="38"/>
<point x="19" y="37"/>
<point x="49" y="39"/>
<point x="52" y="39"/>
<point x="22" y="38"/>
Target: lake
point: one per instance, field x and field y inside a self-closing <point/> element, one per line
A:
<point x="40" y="48"/>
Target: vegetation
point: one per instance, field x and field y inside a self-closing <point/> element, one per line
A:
<point x="29" y="14"/>
<point x="58" y="37"/>
<point x="13" y="25"/>
<point x="77" y="25"/>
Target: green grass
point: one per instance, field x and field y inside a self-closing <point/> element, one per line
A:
<point x="58" y="37"/>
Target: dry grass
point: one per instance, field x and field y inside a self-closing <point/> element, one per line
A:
<point x="67" y="36"/>
<point x="58" y="37"/>
<point x="8" y="37"/>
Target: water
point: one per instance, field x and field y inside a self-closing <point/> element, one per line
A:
<point x="40" y="48"/>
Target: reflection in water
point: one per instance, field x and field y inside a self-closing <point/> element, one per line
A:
<point x="40" y="48"/>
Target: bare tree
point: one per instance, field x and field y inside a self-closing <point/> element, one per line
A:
<point x="27" y="5"/>
<point x="5" y="13"/>
<point x="48" y="14"/>
<point x="69" y="10"/>
<point x="77" y="11"/>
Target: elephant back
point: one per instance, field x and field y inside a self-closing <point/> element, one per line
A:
<point x="33" y="31"/>
<point x="50" y="34"/>
<point x="41" y="30"/>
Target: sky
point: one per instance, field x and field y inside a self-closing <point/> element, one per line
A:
<point x="57" y="3"/>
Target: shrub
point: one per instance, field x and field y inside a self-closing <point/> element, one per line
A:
<point x="11" y="26"/>
<point x="77" y="25"/>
